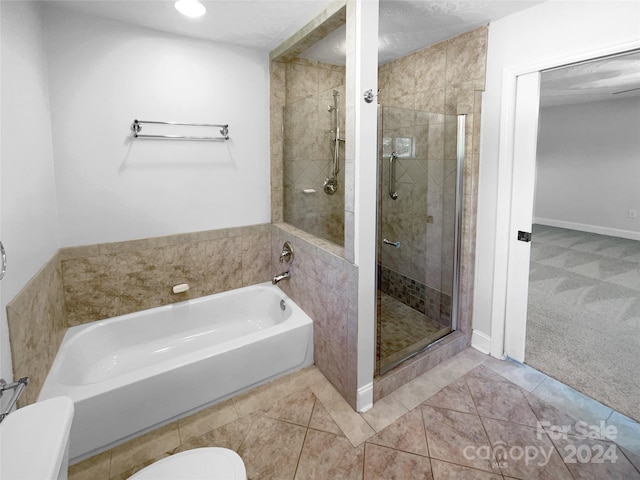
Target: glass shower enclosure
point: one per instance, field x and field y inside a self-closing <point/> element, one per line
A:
<point x="419" y="208"/>
<point x="313" y="153"/>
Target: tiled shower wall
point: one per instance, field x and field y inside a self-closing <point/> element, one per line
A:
<point x="435" y="304"/>
<point x="447" y="78"/>
<point x="308" y="150"/>
<point x="88" y="283"/>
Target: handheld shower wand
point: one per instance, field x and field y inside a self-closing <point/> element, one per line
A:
<point x="331" y="184"/>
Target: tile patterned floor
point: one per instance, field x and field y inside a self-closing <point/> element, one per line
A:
<point x="472" y="417"/>
<point x="404" y="330"/>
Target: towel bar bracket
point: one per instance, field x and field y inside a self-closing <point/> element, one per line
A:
<point x="17" y="388"/>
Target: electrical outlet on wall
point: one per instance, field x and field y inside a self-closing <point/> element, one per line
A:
<point x="633" y="213"/>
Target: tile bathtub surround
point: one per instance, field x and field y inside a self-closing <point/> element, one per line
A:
<point x="449" y="423"/>
<point x="36" y="326"/>
<point x="101" y="281"/>
<point x="88" y="283"/>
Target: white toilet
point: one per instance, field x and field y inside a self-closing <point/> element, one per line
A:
<point x="209" y="463"/>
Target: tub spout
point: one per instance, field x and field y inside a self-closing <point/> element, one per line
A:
<point x="278" y="278"/>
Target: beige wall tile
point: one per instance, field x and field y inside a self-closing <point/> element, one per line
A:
<point x="256" y="258"/>
<point x="89" y="268"/>
<point x="35" y="327"/>
<point x="431" y="65"/>
<point x="466" y="56"/>
<point x="91" y="300"/>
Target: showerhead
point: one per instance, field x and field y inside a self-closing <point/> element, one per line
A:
<point x="330" y="186"/>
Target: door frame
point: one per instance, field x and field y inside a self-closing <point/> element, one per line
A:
<point x="508" y="318"/>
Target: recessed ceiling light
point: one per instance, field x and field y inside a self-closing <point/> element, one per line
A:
<point x="190" y="8"/>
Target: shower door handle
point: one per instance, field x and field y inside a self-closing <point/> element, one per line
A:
<point x="389" y="242"/>
<point x="392" y="175"/>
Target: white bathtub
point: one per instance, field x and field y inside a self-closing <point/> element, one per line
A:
<point x="130" y="374"/>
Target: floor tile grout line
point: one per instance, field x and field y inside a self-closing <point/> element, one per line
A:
<point x="637" y="467"/>
<point x="484" y="428"/>
<point x="364" y="458"/>
<point x="395" y="449"/>
<point x="109" y="472"/>
<point x="426" y="436"/>
<point x="467" y="467"/>
<point x="304" y="441"/>
<point x="524" y="365"/>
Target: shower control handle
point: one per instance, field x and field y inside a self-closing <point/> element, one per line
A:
<point x="286" y="256"/>
<point x="389" y="242"/>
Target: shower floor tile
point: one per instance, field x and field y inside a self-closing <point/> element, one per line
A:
<point x="404" y="330"/>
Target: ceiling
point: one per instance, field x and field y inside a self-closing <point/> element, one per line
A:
<point x="257" y="24"/>
<point x="608" y="78"/>
<point x="405" y="26"/>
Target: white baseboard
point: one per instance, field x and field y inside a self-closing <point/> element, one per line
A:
<point x="613" y="232"/>
<point x="364" y="399"/>
<point x="481" y="342"/>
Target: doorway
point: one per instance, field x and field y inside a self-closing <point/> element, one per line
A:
<point x="582" y="308"/>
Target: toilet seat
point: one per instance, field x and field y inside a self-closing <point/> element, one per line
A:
<point x="210" y="463"/>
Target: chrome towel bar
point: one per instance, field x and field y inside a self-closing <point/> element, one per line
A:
<point x="136" y="127"/>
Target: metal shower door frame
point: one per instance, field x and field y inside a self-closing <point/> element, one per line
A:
<point x="457" y="241"/>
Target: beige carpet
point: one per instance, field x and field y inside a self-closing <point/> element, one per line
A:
<point x="583" y="323"/>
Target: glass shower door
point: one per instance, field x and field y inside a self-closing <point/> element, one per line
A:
<point x="418" y="210"/>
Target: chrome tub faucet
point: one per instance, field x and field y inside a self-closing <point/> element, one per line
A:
<point x="278" y="278"/>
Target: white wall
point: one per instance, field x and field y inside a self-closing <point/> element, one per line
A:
<point x="28" y="216"/>
<point x="103" y="75"/>
<point x="541" y="35"/>
<point x="588" y="166"/>
<point x="71" y="86"/>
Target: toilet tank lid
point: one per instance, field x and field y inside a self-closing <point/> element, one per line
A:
<point x="199" y="463"/>
<point x="38" y="431"/>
